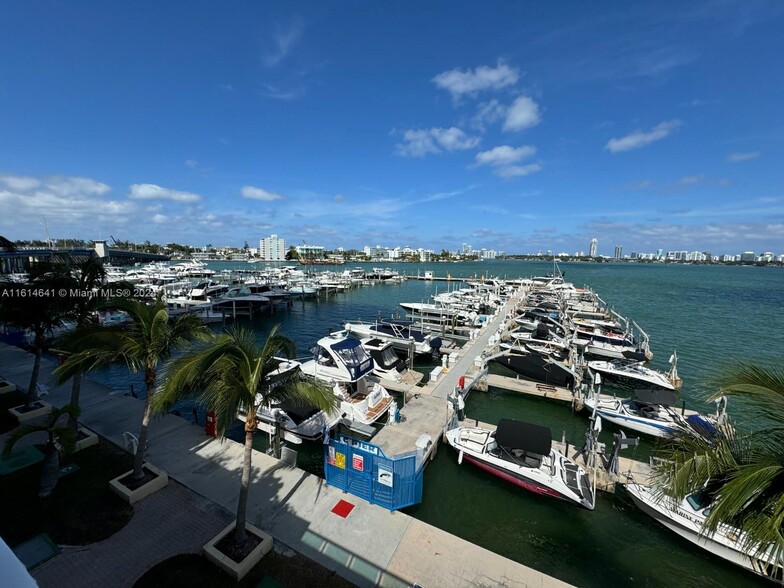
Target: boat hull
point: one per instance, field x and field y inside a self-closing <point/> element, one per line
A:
<point x="516" y="479"/>
<point x="535" y="367"/>
<point x="691" y="533"/>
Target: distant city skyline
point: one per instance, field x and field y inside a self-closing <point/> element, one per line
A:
<point x="514" y="127"/>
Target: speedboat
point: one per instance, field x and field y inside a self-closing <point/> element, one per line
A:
<point x="635" y="374"/>
<point x="301" y="420"/>
<point x="402" y="334"/>
<point x="650" y="412"/>
<point x="522" y="453"/>
<point x="345" y="364"/>
<point x="539" y="362"/>
<point x="687" y="519"/>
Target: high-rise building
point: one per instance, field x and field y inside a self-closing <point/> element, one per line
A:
<point x="618" y="252"/>
<point x="594" y="245"/>
<point x="272" y="249"/>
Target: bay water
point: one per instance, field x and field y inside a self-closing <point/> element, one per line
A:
<point x="714" y="316"/>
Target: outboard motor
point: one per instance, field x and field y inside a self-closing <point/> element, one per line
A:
<point x="435" y="346"/>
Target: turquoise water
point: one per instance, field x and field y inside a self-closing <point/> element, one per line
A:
<point x="713" y="316"/>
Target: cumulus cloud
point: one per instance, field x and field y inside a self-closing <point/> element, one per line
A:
<point x="504" y="155"/>
<point x="66" y="202"/>
<point x="742" y="156"/>
<point x="155" y="192"/>
<point x="504" y="159"/>
<point x="522" y="114"/>
<point x="254" y="193"/>
<point x="639" y="138"/>
<point x="420" y="142"/>
<point x="471" y="81"/>
<point x="339" y="198"/>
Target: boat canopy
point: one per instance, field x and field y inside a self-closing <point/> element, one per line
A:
<point x="529" y="437"/>
<point x="648" y="396"/>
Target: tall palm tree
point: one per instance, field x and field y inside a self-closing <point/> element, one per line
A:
<point x="231" y="374"/>
<point x="56" y="434"/>
<point x="742" y="469"/>
<point x="141" y="344"/>
<point x="38" y="307"/>
<point x="90" y="276"/>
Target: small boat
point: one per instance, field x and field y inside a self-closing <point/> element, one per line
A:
<point x="540" y="362"/>
<point x="687" y="519"/>
<point x="650" y="412"/>
<point x="635" y="374"/>
<point x="402" y="333"/>
<point x="302" y="421"/>
<point x="522" y="453"/>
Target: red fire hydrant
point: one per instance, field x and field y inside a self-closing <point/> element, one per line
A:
<point x="210" y="426"/>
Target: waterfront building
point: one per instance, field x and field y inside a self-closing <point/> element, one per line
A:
<point x="310" y="251"/>
<point x="618" y="252"/>
<point x="594" y="246"/>
<point x="747" y="257"/>
<point x="272" y="248"/>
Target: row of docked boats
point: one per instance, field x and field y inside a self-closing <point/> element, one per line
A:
<point x="555" y="350"/>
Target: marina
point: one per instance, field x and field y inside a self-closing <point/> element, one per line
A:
<point x="424" y="411"/>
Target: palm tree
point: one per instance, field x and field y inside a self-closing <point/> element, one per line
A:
<point x="742" y="470"/>
<point x="231" y="374"/>
<point x="90" y="277"/>
<point x="39" y="308"/>
<point x="56" y="434"/>
<point x="141" y="344"/>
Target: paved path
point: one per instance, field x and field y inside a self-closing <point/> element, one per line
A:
<point x="165" y="524"/>
<point x="372" y="546"/>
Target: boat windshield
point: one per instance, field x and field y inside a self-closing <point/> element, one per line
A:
<point x="698" y="500"/>
<point x="352" y="356"/>
<point x="388" y="356"/>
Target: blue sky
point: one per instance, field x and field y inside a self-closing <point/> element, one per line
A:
<point x="514" y="126"/>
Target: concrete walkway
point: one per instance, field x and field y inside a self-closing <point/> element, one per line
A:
<point x="370" y="547"/>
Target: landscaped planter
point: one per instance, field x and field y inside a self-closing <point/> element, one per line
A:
<point x="6" y="387"/>
<point x="86" y="438"/>
<point x="39" y="408"/>
<point x="160" y="480"/>
<point x="228" y="565"/>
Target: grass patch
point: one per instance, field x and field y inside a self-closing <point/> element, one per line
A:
<point x="9" y="400"/>
<point x="82" y="509"/>
<point x="194" y="571"/>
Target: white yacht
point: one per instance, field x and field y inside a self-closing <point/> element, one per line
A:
<point x="635" y="374"/>
<point x="344" y="363"/>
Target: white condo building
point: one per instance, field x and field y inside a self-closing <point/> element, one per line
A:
<point x="594" y="245"/>
<point x="272" y="249"/>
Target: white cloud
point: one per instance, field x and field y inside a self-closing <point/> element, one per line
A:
<point x="488" y="113"/>
<point x="160" y="218"/>
<point x="21" y="183"/>
<point x="67" y="203"/>
<point x="504" y="155"/>
<point x="192" y="163"/>
<point x="339" y="198"/>
<point x="420" y="142"/>
<point x="522" y="114"/>
<point x="284" y="40"/>
<point x="155" y="192"/>
<point x="691" y="180"/>
<point x="469" y="82"/>
<point x="742" y="156"/>
<point x="254" y="193"/>
<point x="70" y="186"/>
<point x="515" y="171"/>
<point x="640" y="138"/>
